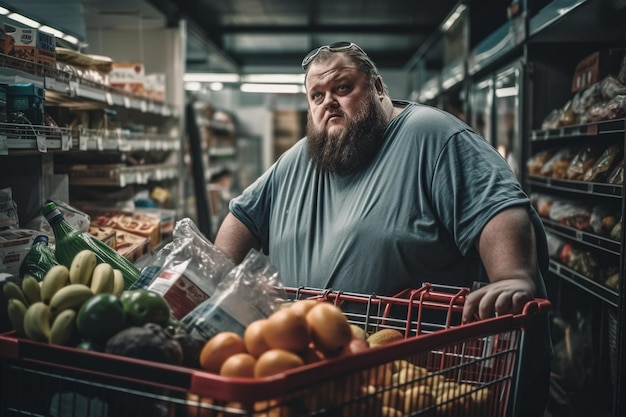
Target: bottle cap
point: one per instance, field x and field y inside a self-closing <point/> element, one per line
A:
<point x="48" y="208"/>
<point x="41" y="238"/>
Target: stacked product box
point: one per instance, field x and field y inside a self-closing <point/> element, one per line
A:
<point x="34" y="50"/>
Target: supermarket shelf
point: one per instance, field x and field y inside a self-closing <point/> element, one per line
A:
<point x="118" y="175"/>
<point x="552" y="13"/>
<point x="226" y="151"/>
<point x="583" y="187"/>
<point x="70" y="86"/>
<point x="91" y="139"/>
<point x="497" y="45"/>
<point x="33" y="137"/>
<point x="452" y="74"/>
<point x="589" y="239"/>
<point x="596" y="289"/>
<point x="590" y="129"/>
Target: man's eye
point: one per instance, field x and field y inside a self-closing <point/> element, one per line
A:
<point x="342" y="88"/>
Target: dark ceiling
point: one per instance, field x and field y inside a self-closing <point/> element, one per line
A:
<point x="259" y="36"/>
<point x="274" y="35"/>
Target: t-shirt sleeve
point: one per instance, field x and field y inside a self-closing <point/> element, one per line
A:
<point x="252" y="207"/>
<point x="472" y="182"/>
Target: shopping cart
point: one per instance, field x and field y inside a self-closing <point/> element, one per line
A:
<point x="441" y="368"/>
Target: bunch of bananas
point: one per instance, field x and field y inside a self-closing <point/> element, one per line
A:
<point x="46" y="311"/>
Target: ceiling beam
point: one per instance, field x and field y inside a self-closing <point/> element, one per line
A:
<point x="325" y="29"/>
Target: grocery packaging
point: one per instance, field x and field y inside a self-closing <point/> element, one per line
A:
<point x="14" y="246"/>
<point x="187" y="270"/>
<point x="251" y="291"/>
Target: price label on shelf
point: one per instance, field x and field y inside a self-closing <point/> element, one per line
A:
<point x="66" y="142"/>
<point x="42" y="146"/>
<point x="4" y="147"/>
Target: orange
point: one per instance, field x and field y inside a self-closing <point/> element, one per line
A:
<point x="217" y="349"/>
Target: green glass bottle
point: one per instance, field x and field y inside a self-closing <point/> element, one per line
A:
<point x="39" y="259"/>
<point x="70" y="241"/>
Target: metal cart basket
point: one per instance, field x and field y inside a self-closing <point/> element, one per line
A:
<point x="441" y="368"/>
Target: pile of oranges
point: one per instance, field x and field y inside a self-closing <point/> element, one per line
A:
<point x="304" y="332"/>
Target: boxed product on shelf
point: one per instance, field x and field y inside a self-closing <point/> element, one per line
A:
<point x="29" y="45"/>
<point x="598" y="65"/>
<point x="25" y="100"/>
<point x="107" y="235"/>
<point x="155" y="86"/>
<point x="142" y="224"/>
<point x="128" y="76"/>
<point x="167" y="220"/>
<point x="130" y="245"/>
<point x="14" y="245"/>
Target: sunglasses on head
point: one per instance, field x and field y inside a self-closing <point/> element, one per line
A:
<point x="333" y="47"/>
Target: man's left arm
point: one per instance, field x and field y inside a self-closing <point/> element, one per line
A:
<point x="508" y="251"/>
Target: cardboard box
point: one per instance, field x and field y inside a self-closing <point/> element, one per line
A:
<point x="142" y="224"/>
<point x="129" y="77"/>
<point x="14" y="246"/>
<point x="131" y="246"/>
<point x="29" y="45"/>
<point x="107" y="235"/>
<point x="597" y="66"/>
<point x="154" y="85"/>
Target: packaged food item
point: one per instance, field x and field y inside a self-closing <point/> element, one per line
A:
<point x="14" y="246"/>
<point x="601" y="169"/>
<point x="617" y="175"/>
<point x="582" y="161"/>
<point x="557" y="166"/>
<point x="536" y="162"/>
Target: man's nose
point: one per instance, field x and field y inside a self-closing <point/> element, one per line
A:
<point x="330" y="101"/>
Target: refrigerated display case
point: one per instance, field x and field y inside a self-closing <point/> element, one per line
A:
<point x="508" y="112"/>
<point x="496" y="112"/>
<point x="481" y="108"/>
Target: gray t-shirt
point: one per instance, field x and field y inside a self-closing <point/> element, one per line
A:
<point x="412" y="216"/>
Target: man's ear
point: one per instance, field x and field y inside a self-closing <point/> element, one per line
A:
<point x="379" y="86"/>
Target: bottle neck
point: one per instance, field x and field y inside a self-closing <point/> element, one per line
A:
<point x="58" y="222"/>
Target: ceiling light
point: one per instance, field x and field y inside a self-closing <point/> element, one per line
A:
<point x="71" y="39"/>
<point x="24" y="20"/>
<point x="216" y="86"/>
<point x="193" y="86"/>
<point x="4" y="11"/>
<point x="202" y="77"/>
<point x="453" y="17"/>
<point x="52" y="30"/>
<point x="274" y="78"/>
<point x="272" y="88"/>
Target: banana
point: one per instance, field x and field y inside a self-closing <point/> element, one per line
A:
<point x="12" y="290"/>
<point x="30" y="288"/>
<point x="71" y="296"/>
<point x="16" y="311"/>
<point x="82" y="266"/>
<point x="63" y="327"/>
<point x="56" y="278"/>
<point x="37" y="322"/>
<point x="118" y="282"/>
<point x="102" y="279"/>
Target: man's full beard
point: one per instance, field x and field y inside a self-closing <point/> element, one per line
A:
<point x="352" y="148"/>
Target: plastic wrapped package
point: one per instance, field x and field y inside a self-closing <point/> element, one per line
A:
<point x="617" y="175"/>
<point x="584" y="159"/>
<point x="571" y="214"/>
<point x="605" y="163"/>
<point x="609" y="110"/>
<point x="603" y="220"/>
<point x="536" y="162"/>
<point x="557" y="166"/>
